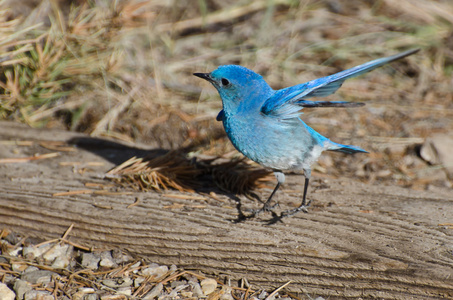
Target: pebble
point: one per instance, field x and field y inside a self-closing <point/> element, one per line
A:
<point x="15" y="251"/>
<point x="156" y="270"/>
<point x="21" y="287"/>
<point x="40" y="276"/>
<point x="138" y="281"/>
<point x="6" y="293"/>
<point x="107" y="260"/>
<point x="60" y="262"/>
<point x="226" y="295"/>
<point x="32" y="252"/>
<point x="12" y="238"/>
<point x="117" y="283"/>
<point x="186" y="294"/>
<point x="437" y="150"/>
<point x="83" y="294"/>
<point x="90" y="260"/>
<point x="18" y="267"/>
<point x="134" y="266"/>
<point x="28" y="282"/>
<point x="119" y="257"/>
<point x="127" y="291"/>
<point x="91" y="297"/>
<point x="173" y="268"/>
<point x="155" y="291"/>
<point x="57" y="251"/>
<point x="41" y="295"/>
<point x="208" y="285"/>
<point x="196" y="289"/>
<point x="31" y="269"/>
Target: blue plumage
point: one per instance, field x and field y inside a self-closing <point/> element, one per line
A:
<point x="265" y="124"/>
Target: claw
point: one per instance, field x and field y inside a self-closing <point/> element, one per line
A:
<point x="294" y="211"/>
<point x="266" y="207"/>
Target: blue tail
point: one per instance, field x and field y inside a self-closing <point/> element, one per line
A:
<point x="346" y="148"/>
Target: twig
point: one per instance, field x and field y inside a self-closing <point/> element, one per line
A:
<point x="27" y="159"/>
<point x="271" y="295"/>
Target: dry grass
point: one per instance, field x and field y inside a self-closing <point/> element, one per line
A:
<point x="123" y="69"/>
<point x="175" y="170"/>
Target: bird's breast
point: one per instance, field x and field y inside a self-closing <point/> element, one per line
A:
<point x="270" y="142"/>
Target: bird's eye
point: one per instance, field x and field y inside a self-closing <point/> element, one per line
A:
<point x="225" y="81"/>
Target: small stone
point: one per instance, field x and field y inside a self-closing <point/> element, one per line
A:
<point x="120" y="257"/>
<point x="226" y="293"/>
<point x="197" y="291"/>
<point x="127" y="291"/>
<point x="208" y="285"/>
<point x="86" y="290"/>
<point x="186" y="294"/>
<point x="15" y="251"/>
<point x="177" y="283"/>
<point x="134" y="266"/>
<point x="12" y="238"/>
<point x="138" y="281"/>
<point x="90" y="260"/>
<point x="40" y="276"/>
<point x="57" y="251"/>
<point x="117" y="283"/>
<point x="226" y="296"/>
<point x="154" y="292"/>
<point x="107" y="260"/>
<point x="32" y="252"/>
<point x="436" y="150"/>
<point x="41" y="295"/>
<point x="6" y="293"/>
<point x="21" y="287"/>
<point x="173" y="268"/>
<point x="91" y="297"/>
<point x="31" y="269"/>
<point x="60" y="262"/>
<point x="19" y="267"/>
<point x="156" y="270"/>
<point x="78" y="295"/>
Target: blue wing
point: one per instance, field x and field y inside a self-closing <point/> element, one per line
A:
<point x="287" y="102"/>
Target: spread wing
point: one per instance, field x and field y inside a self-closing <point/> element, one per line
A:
<point x="287" y="103"/>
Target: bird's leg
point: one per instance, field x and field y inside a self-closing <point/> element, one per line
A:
<point x="304" y="205"/>
<point x="267" y="205"/>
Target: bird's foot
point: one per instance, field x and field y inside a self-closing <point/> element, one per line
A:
<point x="291" y="212"/>
<point x="266" y="208"/>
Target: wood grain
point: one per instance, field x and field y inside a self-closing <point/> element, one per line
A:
<point x="358" y="240"/>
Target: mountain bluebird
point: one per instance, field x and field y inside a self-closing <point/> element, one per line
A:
<point x="265" y="124"/>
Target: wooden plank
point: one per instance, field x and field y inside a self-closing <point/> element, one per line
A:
<point x="358" y="240"/>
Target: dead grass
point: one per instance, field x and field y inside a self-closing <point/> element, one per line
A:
<point x="175" y="170"/>
<point x="124" y="70"/>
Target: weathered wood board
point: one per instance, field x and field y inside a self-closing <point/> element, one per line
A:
<point x="358" y="240"/>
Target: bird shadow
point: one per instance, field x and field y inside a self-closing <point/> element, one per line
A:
<point x="205" y="178"/>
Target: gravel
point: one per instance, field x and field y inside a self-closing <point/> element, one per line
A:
<point x="64" y="270"/>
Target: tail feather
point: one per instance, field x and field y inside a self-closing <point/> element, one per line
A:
<point x="346" y="148"/>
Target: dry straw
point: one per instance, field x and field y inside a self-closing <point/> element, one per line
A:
<point x="175" y="170"/>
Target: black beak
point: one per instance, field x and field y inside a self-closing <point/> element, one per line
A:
<point x="206" y="76"/>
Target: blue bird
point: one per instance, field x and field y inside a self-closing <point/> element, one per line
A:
<point x="265" y="124"/>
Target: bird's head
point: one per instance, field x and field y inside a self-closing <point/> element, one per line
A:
<point x="239" y="87"/>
